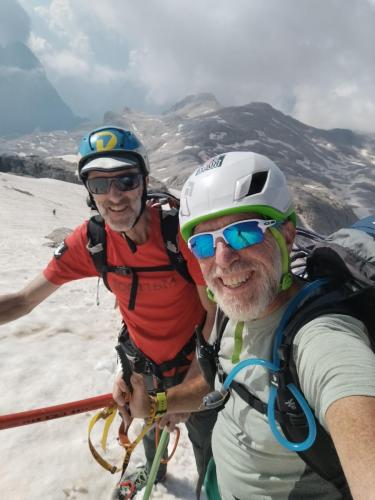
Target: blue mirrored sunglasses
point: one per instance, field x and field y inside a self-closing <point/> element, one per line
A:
<point x="237" y="235"/>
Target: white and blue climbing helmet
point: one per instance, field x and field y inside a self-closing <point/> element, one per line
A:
<point x="238" y="182"/>
<point x="108" y="149"/>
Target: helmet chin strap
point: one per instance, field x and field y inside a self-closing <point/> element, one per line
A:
<point x="286" y="277"/>
<point x="143" y="201"/>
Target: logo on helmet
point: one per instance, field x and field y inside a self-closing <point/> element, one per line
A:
<point x="210" y="164"/>
<point x="104" y="141"/>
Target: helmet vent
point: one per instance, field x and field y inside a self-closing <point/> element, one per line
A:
<point x="258" y="182"/>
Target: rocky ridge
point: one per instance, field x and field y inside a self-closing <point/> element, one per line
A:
<point x="331" y="172"/>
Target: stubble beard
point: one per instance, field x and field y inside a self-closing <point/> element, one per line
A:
<point x="123" y="225"/>
<point x="264" y="290"/>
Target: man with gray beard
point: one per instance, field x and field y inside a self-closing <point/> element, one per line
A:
<point x="238" y="219"/>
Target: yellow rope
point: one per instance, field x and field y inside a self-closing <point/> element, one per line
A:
<point x="108" y="415"/>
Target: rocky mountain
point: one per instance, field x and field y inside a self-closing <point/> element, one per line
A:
<point x="27" y="99"/>
<point x="331" y="172"/>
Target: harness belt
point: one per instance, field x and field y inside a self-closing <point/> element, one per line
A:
<point x="141" y="363"/>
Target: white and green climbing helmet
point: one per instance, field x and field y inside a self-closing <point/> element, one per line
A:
<point x="238" y="182"/>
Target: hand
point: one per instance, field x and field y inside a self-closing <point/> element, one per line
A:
<point x="139" y="401"/>
<point x="171" y="420"/>
<point x="121" y="395"/>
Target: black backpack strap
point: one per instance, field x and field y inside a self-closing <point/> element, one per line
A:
<point x="208" y="354"/>
<point x="181" y="358"/>
<point x="169" y="230"/>
<point x="97" y="246"/>
<point x="321" y="457"/>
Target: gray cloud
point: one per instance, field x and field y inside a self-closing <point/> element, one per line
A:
<point x="312" y="59"/>
<point x="14" y="22"/>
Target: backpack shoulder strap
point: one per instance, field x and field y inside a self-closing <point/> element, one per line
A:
<point x="321" y="457"/>
<point x="169" y="229"/>
<point x="97" y="246"/>
<point x="221" y="323"/>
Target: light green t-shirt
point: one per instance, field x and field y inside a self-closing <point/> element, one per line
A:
<point x="333" y="360"/>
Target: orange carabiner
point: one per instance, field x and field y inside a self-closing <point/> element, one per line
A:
<point x="157" y="436"/>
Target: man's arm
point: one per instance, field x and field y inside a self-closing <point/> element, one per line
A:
<point x="15" y="305"/>
<point x="182" y="398"/>
<point x="350" y="422"/>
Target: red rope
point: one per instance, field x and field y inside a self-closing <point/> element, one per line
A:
<point x="58" y="411"/>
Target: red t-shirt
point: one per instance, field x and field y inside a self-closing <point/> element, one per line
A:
<point x="167" y="307"/>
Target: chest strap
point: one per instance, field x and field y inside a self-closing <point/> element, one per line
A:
<point x="133" y="273"/>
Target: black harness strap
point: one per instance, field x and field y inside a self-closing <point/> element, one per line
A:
<point x="143" y="364"/>
<point x="169" y="230"/>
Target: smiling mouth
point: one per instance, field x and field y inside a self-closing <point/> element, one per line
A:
<point x="117" y="210"/>
<point x="232" y="282"/>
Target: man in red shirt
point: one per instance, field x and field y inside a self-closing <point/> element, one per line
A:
<point x="160" y="308"/>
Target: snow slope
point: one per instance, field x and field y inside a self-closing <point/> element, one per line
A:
<point x="62" y="351"/>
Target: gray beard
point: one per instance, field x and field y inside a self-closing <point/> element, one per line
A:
<point x="267" y="289"/>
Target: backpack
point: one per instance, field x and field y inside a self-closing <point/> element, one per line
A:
<point x="97" y="246"/>
<point x="340" y="271"/>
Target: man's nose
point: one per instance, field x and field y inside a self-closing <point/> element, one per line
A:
<point x="114" y="192"/>
<point x="225" y="255"/>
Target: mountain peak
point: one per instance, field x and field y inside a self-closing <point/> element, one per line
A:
<point x="195" y="104"/>
<point x="18" y="55"/>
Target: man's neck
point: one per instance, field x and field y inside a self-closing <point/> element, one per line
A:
<point x="140" y="232"/>
<point x="281" y="299"/>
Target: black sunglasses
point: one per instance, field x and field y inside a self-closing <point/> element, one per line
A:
<point x="102" y="185"/>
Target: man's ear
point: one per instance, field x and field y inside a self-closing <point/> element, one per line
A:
<point x="289" y="232"/>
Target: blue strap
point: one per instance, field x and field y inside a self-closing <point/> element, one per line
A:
<point x="274" y="366"/>
<point x="297" y="300"/>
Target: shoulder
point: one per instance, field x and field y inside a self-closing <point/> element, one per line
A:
<point x="333" y="359"/>
<point x="79" y="235"/>
<point x="331" y="326"/>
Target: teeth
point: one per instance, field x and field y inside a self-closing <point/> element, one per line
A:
<point x="117" y="209"/>
<point x="234" y="282"/>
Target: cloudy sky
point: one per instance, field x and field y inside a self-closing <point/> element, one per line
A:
<point x="313" y="59"/>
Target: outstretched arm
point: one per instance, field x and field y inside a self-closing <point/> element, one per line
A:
<point x="350" y="421"/>
<point x="15" y="305"/>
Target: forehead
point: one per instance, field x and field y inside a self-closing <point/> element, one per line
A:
<point x="125" y="171"/>
<point x="219" y="222"/>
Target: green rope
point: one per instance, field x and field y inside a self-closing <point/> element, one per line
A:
<point x="163" y="442"/>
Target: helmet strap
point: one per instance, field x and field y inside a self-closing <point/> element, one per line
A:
<point x="286" y="276"/>
<point x="210" y="295"/>
<point x="91" y="202"/>
<point x="143" y="201"/>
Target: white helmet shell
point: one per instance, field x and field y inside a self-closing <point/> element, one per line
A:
<point x="234" y="182"/>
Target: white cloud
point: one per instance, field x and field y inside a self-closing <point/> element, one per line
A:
<point x="158" y="51"/>
<point x="38" y="44"/>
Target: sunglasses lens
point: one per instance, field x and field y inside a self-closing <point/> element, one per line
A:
<point x="126" y="182"/>
<point x="202" y="246"/>
<point x="102" y="185"/>
<point x="99" y="185"/>
<point x="243" y="234"/>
